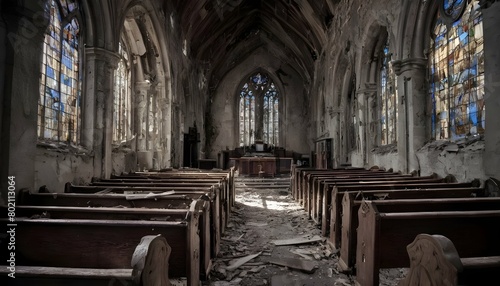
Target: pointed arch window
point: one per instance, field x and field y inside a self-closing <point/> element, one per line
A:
<point x="122" y="112"/>
<point x="389" y="99"/>
<point x="59" y="108"/>
<point x="259" y="111"/>
<point x="456" y="73"/>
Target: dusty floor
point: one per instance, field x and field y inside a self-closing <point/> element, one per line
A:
<point x="262" y="215"/>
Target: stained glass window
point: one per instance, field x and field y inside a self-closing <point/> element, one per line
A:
<point x="456" y="76"/>
<point x="389" y="99"/>
<point x="59" y="111"/>
<point x="259" y="106"/>
<point x="122" y="101"/>
<point x="270" y="114"/>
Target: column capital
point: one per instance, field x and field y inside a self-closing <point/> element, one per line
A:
<point x="109" y="57"/>
<point x="142" y="86"/>
<point x="370" y="89"/>
<point x="401" y="66"/>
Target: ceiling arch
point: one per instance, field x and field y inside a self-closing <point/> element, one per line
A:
<point x="224" y="32"/>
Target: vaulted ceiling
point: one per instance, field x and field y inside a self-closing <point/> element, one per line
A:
<point x="225" y="32"/>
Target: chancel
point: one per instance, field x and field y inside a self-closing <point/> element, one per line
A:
<point x="168" y="124"/>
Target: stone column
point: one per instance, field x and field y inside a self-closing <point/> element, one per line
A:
<point x="141" y="113"/>
<point x="98" y="107"/>
<point x="143" y="95"/>
<point x="491" y="22"/>
<point x="22" y="29"/>
<point x="412" y="105"/>
<point x="165" y="135"/>
<point x="364" y="96"/>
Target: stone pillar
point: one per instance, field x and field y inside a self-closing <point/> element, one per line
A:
<point x="412" y="116"/>
<point x="364" y="97"/>
<point x="491" y="22"/>
<point x="98" y="107"/>
<point x="141" y="113"/>
<point x="165" y="135"/>
<point x="22" y="29"/>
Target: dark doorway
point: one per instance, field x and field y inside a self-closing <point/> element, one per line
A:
<point x="191" y="140"/>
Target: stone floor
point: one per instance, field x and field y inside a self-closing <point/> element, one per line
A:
<point x="262" y="214"/>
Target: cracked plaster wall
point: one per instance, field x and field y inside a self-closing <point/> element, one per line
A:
<point x="53" y="169"/>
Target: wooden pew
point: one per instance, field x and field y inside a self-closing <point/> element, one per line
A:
<point x="194" y="182"/>
<point x="219" y="208"/>
<point x="332" y="201"/>
<point x="313" y="188"/>
<point x="226" y="175"/>
<point x="150" y="262"/>
<point x="434" y="260"/>
<point x="121" y="201"/>
<point x="149" y="214"/>
<point x="64" y="252"/>
<point x="303" y="178"/>
<point x="182" y="235"/>
<point x="350" y="206"/>
<point x="316" y="199"/>
<point x="384" y="234"/>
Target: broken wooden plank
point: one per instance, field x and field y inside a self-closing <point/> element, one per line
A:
<point x="299" y="240"/>
<point x="300" y="264"/>
<point x="237" y="263"/>
<point x="149" y="195"/>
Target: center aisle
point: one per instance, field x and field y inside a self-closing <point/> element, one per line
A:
<point x="265" y="212"/>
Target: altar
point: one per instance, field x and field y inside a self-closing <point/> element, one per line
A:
<point x="262" y="166"/>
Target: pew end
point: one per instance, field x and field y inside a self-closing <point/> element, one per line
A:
<point x="434" y="260"/>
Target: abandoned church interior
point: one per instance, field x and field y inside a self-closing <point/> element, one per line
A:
<point x="250" y="142"/>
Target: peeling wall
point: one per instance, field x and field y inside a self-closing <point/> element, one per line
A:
<point x="55" y="168"/>
<point x="465" y="163"/>
<point x="124" y="161"/>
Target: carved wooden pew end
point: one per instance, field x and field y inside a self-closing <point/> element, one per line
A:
<point x="434" y="260"/>
<point x="150" y="261"/>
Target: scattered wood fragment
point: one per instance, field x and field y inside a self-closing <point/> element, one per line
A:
<point x="299" y="240"/>
<point x="259" y="224"/>
<point x="305" y="256"/>
<point x="300" y="264"/>
<point x="149" y="196"/>
<point x="238" y="262"/>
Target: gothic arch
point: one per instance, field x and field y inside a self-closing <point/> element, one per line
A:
<point x="415" y="23"/>
<point x="281" y="102"/>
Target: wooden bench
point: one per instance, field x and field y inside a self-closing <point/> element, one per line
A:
<point x="120" y="201"/>
<point x="194" y="183"/>
<point x="95" y="235"/>
<point x="315" y="184"/>
<point x="71" y="253"/>
<point x="148" y="214"/>
<point x="226" y="175"/>
<point x="300" y="173"/>
<point x="316" y="199"/>
<point x="213" y="194"/>
<point x="383" y="235"/>
<point x="434" y="260"/>
<point x="304" y="182"/>
<point x="332" y="201"/>
<point x="351" y="202"/>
